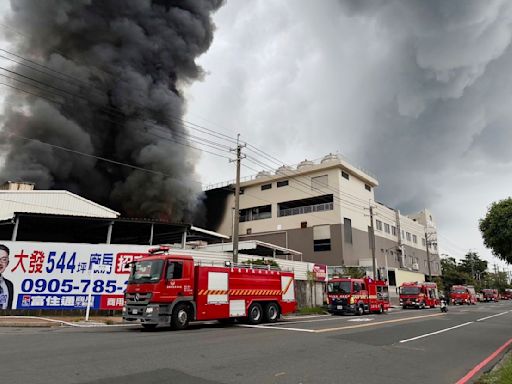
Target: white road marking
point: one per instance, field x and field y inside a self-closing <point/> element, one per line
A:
<point x="304" y="317"/>
<point x="281" y="328"/>
<point x="488" y="317"/>
<point x="436" y="333"/>
<point x="361" y="319"/>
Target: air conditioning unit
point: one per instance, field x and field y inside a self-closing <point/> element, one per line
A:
<point x="415" y="267"/>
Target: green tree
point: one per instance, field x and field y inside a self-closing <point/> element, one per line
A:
<point x="453" y="274"/>
<point x="473" y="265"/>
<point x="354" y="272"/>
<point x="496" y="229"/>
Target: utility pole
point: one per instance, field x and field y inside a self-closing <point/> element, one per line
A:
<point x="236" y="224"/>
<point x="401" y="259"/>
<point x="427" y="243"/>
<point x="374" y="266"/>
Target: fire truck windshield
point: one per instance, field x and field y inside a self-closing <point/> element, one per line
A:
<point x="458" y="290"/>
<point x="339" y="287"/>
<point x="409" y="290"/>
<point x="146" y="271"/>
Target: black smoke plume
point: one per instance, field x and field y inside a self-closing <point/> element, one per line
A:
<point x="110" y="89"/>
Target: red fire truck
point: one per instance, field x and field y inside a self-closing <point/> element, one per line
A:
<point x="490" y="295"/>
<point x="166" y="288"/>
<point x="462" y="294"/>
<point x="507" y="295"/>
<point x="358" y="296"/>
<point x="419" y="295"/>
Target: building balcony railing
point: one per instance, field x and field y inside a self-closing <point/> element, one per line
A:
<point x="306" y="209"/>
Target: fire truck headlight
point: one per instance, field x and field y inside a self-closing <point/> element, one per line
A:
<point x="151" y="309"/>
<point x="352" y="300"/>
<point x="124" y="309"/>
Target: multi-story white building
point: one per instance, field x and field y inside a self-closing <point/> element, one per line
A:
<point x="322" y="210"/>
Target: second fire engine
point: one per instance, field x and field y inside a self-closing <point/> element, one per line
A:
<point x="358" y="296"/>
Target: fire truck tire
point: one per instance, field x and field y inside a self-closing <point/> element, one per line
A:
<point x="381" y="309"/>
<point x="180" y="316"/>
<point x="255" y="314"/>
<point x="271" y="312"/>
<point x="360" y="310"/>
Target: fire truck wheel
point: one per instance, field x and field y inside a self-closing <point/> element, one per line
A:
<point x="271" y="313"/>
<point x="381" y="309"/>
<point x="360" y="310"/>
<point x="180" y="316"/>
<point x="255" y="314"/>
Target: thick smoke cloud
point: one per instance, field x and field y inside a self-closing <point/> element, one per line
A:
<point x="416" y="91"/>
<point x="124" y="64"/>
<point x="445" y="97"/>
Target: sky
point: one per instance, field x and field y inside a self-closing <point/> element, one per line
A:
<point x="418" y="92"/>
<point x="415" y="91"/>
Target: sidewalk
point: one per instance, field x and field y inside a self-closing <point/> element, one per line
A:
<point x="57" y="321"/>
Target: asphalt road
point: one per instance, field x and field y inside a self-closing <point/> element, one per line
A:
<point x="404" y="346"/>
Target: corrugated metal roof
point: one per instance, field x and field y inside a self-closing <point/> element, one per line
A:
<point x="50" y="202"/>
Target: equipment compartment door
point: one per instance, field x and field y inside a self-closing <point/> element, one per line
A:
<point x="287" y="288"/>
<point x="217" y="288"/>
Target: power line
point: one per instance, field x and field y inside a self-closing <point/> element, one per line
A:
<point x="100" y="158"/>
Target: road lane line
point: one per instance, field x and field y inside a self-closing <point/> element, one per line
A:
<point x="436" y="333"/>
<point x="281" y="328"/>
<point x="489" y="317"/>
<point x="378" y="323"/>
<point x="483" y="363"/>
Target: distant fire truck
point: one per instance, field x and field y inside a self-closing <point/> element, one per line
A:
<point x="507" y="295"/>
<point x="490" y="295"/>
<point x="166" y="288"/>
<point x="358" y="296"/>
<point x="463" y="294"/>
<point x="419" y="295"/>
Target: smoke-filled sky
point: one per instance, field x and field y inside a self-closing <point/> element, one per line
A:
<point x="103" y="78"/>
<point x="416" y="91"/>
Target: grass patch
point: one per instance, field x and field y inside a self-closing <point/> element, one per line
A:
<point x="312" y="311"/>
<point x="501" y="375"/>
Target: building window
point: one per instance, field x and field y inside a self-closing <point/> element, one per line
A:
<point x="242" y="190"/>
<point x="425" y="263"/>
<point x="319" y="182"/>
<point x="386" y="228"/>
<point x="347" y="230"/>
<point x="423" y="241"/>
<point x="249" y="231"/>
<point x="303" y="224"/>
<point x="435" y="246"/>
<point x="393" y="230"/>
<point x="266" y="186"/>
<point x="345" y="175"/>
<point x="367" y="187"/>
<point x="408" y="236"/>
<point x="282" y="183"/>
<point x="415" y="239"/>
<point x="321" y="238"/>
<point x="378" y="224"/>
<point x="256" y="213"/>
<point x="403" y="234"/>
<point x="304" y="206"/>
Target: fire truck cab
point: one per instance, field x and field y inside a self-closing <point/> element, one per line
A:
<point x="419" y="295"/>
<point x="167" y="288"/>
<point x="490" y="295"/>
<point x="462" y="294"/>
<point x="357" y="296"/>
